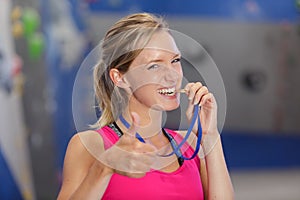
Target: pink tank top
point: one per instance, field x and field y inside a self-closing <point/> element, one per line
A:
<point x="184" y="183"/>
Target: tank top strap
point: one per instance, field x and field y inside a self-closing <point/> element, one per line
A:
<point x="108" y="135"/>
<point x="186" y="148"/>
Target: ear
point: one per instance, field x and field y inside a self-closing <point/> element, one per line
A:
<point x="118" y="79"/>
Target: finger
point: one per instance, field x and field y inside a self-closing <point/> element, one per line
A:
<point x="207" y="98"/>
<point x="144" y="158"/>
<point x="199" y="95"/>
<point x="139" y="165"/>
<point x="146" y="148"/>
<point x="135" y="124"/>
<point x="130" y="173"/>
<point x="187" y="88"/>
<point x="144" y="167"/>
<point x="193" y="90"/>
<point x="190" y="108"/>
<point x="150" y="148"/>
<point x="135" y="175"/>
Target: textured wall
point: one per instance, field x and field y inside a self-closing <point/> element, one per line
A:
<point x="259" y="63"/>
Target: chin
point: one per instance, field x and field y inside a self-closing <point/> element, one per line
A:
<point x="160" y="107"/>
<point x="172" y="108"/>
<point x="167" y="107"/>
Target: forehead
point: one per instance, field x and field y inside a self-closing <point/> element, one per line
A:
<point x="160" y="46"/>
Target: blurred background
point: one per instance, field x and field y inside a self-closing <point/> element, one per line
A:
<point x="255" y="44"/>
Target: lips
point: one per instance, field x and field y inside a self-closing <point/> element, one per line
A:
<point x="167" y="91"/>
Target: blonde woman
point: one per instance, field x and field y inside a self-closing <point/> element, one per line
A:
<point x="129" y="155"/>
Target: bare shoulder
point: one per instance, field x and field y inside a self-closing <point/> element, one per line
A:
<point x="83" y="150"/>
<point x="87" y="144"/>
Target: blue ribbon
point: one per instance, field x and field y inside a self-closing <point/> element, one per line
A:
<point x="137" y="135"/>
<point x="176" y="148"/>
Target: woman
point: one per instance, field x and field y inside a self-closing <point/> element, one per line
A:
<point x="129" y="157"/>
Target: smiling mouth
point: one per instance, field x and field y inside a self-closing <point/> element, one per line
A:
<point x="167" y="91"/>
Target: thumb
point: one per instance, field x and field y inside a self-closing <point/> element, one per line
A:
<point x="135" y="124"/>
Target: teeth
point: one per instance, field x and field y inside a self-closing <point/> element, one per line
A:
<point x="168" y="91"/>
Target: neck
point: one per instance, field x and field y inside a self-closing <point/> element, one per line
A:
<point x="150" y="119"/>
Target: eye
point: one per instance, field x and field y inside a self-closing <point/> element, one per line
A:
<point x="176" y="60"/>
<point x="154" y="66"/>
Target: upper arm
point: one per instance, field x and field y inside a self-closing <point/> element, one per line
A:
<point x="81" y="153"/>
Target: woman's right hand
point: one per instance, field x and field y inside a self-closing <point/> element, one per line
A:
<point x="129" y="156"/>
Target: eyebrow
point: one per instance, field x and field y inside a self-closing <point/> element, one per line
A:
<point x="160" y="60"/>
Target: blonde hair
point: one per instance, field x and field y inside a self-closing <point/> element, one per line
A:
<point x="121" y="45"/>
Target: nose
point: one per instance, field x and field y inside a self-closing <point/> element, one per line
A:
<point x="171" y="75"/>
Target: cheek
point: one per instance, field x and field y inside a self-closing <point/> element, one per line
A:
<point x="180" y="73"/>
<point x="180" y="76"/>
<point x="143" y="81"/>
<point x="144" y="94"/>
<point x="178" y="69"/>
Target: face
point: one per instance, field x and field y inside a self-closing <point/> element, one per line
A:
<point x="156" y="73"/>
